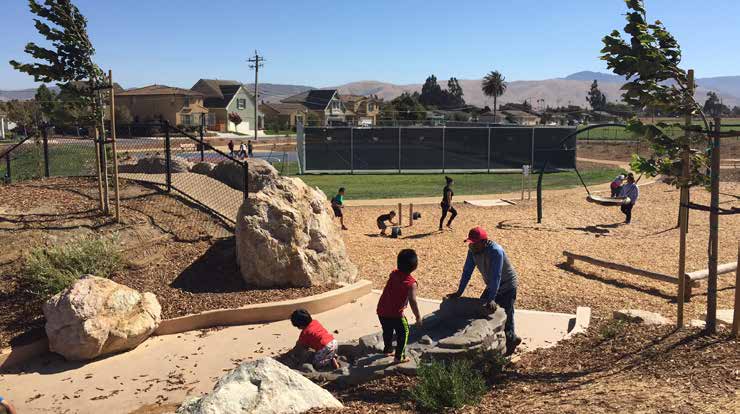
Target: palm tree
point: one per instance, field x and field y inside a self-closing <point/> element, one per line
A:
<point x="494" y="85"/>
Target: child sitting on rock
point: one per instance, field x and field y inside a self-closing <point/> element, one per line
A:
<point x="382" y="219"/>
<point x="399" y="291"/>
<point x="314" y="336"/>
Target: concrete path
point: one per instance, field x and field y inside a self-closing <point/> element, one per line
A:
<point x="167" y="369"/>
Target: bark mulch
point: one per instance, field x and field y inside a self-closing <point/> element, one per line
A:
<point x="171" y="247"/>
<point x="634" y="369"/>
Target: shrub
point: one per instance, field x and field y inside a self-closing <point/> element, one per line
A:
<point x="48" y="271"/>
<point x="612" y="329"/>
<point x="447" y="385"/>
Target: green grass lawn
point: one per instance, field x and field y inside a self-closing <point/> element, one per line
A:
<point x="28" y="162"/>
<point x="360" y="186"/>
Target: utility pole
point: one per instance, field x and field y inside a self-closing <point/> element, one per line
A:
<point x="256" y="64"/>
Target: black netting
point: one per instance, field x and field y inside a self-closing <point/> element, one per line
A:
<point x="375" y="149"/>
<point x="421" y="149"/>
<point x="549" y="146"/>
<point x="328" y="149"/>
<point x="466" y="148"/>
<point x="511" y="147"/>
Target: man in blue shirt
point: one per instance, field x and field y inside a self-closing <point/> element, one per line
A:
<point x="499" y="277"/>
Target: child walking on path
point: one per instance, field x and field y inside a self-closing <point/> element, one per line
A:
<point x="399" y="291"/>
<point x="337" y="204"/>
<point x="315" y="336"/>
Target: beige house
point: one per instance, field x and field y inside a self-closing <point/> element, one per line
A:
<point x="180" y="107"/>
<point x="323" y="104"/>
<point x="361" y="110"/>
<point x="283" y="115"/>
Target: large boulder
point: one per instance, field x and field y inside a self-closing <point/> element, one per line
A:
<point x="263" y="386"/>
<point x="285" y="236"/>
<point x="97" y="316"/>
<point x="261" y="174"/>
<point x="204" y="168"/>
<point x="158" y="165"/>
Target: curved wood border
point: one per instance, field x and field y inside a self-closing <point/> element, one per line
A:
<point x="257" y="313"/>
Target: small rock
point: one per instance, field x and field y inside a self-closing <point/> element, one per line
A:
<point x="426" y="340"/>
<point x="459" y="342"/>
<point x="696" y="323"/>
<point x="641" y="316"/>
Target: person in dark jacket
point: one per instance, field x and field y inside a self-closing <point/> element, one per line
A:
<point x="382" y="219"/>
<point x="446" y="204"/>
<point x="499" y="277"/>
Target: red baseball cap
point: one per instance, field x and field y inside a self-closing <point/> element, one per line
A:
<point x="476" y="234"/>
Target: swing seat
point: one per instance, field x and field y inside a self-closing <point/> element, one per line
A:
<point x="608" y="201"/>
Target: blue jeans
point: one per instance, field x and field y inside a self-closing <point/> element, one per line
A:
<point x="505" y="300"/>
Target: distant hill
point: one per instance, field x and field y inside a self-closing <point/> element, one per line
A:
<point x="590" y="76"/>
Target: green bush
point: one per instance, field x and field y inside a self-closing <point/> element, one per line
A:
<point x="447" y="385"/>
<point x="612" y="329"/>
<point x="48" y="271"/>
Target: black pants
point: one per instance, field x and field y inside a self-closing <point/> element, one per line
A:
<point x="445" y="209"/>
<point x="399" y="327"/>
<point x="627" y="210"/>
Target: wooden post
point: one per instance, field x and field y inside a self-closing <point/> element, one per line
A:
<point x="711" y="322"/>
<point x="411" y="214"/>
<point x="683" y="210"/>
<point x="98" y="168"/>
<point x="116" y="189"/>
<point x="736" y="313"/>
<point x="103" y="155"/>
<point x="400" y="215"/>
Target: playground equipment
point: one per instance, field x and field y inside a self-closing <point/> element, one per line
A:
<point x="608" y="201"/>
<point x="413" y="216"/>
<point x="692" y="278"/>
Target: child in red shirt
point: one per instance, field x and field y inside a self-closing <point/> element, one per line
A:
<point x="315" y="336"/>
<point x="399" y="291"/>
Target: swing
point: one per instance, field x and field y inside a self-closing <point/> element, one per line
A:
<point x="608" y="201"/>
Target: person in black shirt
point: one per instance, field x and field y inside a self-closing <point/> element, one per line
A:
<point x="382" y="219"/>
<point x="446" y="204"/>
<point x="231" y="148"/>
<point x="250" y="148"/>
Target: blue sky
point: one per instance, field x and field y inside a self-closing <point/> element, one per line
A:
<point x="326" y="43"/>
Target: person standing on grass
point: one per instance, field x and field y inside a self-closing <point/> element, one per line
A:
<point x="231" y="148"/>
<point x="633" y="192"/>
<point x="616" y="185"/>
<point x="446" y="204"/>
<point x="499" y="277"/>
<point x="242" y="150"/>
<point x="399" y="291"/>
<point x="249" y="148"/>
<point x="337" y="204"/>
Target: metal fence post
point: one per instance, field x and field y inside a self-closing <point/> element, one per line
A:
<point x="8" y="176"/>
<point x="45" y="135"/>
<point x="167" y="156"/>
<point x="202" y="146"/>
<point x="399" y="154"/>
<point x="444" y="133"/>
<point x="351" y="150"/>
<point x="489" y="150"/>
<point x="531" y="157"/>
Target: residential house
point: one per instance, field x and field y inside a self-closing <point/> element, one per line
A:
<point x="323" y="104"/>
<point x="283" y="115"/>
<point x="223" y="97"/>
<point x="489" y="118"/>
<point x="521" y="117"/>
<point x="180" y="107"/>
<point x="361" y="110"/>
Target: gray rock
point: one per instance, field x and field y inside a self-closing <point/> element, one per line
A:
<point x="459" y="342"/>
<point x="263" y="386"/>
<point x="261" y="174"/>
<point x="724" y="317"/>
<point x="204" y="168"/>
<point x="641" y="316"/>
<point x="307" y="368"/>
<point x="370" y="344"/>
<point x="426" y="340"/>
<point x="467" y="308"/>
<point x="158" y="165"/>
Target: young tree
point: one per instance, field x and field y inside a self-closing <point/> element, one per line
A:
<point x="736" y="111"/>
<point x="235" y="118"/>
<point x="454" y="94"/>
<point x="714" y="106"/>
<point x="595" y="97"/>
<point x="47" y="101"/>
<point x="405" y="107"/>
<point x="431" y="93"/>
<point x="649" y="59"/>
<point x="68" y="62"/>
<point x="493" y="86"/>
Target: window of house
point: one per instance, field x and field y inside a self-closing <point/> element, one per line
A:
<point x="335" y="105"/>
<point x="187" y="119"/>
<point x="370" y="107"/>
<point x="187" y="101"/>
<point x="241" y="104"/>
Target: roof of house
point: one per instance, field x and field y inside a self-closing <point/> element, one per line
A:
<point x="218" y="93"/>
<point x="520" y="114"/>
<point x="285" y="108"/>
<point x="158" y="90"/>
<point x="316" y="99"/>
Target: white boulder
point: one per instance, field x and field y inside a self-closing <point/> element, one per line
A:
<point x="285" y="236"/>
<point x="263" y="386"/>
<point x="97" y="316"/>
